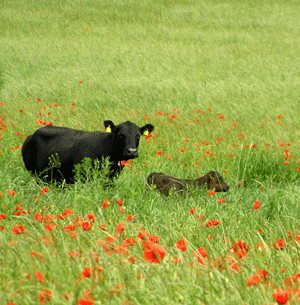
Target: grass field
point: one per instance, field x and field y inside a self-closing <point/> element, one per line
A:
<point x="220" y="82"/>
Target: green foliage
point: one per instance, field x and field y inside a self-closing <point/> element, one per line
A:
<point x="86" y="172"/>
<point x="263" y="168"/>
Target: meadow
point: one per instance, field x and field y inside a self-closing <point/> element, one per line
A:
<point x="220" y="82"/>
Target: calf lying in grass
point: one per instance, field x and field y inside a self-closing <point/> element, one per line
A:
<point x="164" y="183"/>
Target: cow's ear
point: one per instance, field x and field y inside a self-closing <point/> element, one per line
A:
<point x="109" y="125"/>
<point x="148" y="128"/>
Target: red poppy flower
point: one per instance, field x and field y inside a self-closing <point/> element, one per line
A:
<point x="86" y="226"/>
<point x="70" y="228"/>
<point x="132" y="260"/>
<point x="109" y="239"/>
<point x="200" y="254"/>
<point x="45" y="295"/>
<point x="256" y="205"/>
<point x="120" y="227"/>
<point x="103" y="227"/>
<point x="253" y="280"/>
<point x="280" y="243"/>
<point x="221" y="200"/>
<point x="44" y="190"/>
<point x="192" y="211"/>
<point x="34" y="254"/>
<point x="263" y="274"/>
<point x="130" y="217"/>
<point x="18" y="229"/>
<point x="2" y="216"/>
<point x="91" y="217"/>
<point x="105" y="203"/>
<point x="181" y="245"/>
<point x="212" y="223"/>
<point x="129" y="242"/>
<point x="154" y="254"/>
<point x="88" y="271"/>
<point x="122" y="210"/>
<point x="40" y="276"/>
<point x="211" y="193"/>
<point x="153" y="239"/>
<point x="119" y="202"/>
<point x="239" y="249"/>
<point x="50" y="217"/>
<point x="159" y="153"/>
<point x="85" y="302"/>
<point x="68" y="213"/>
<point x="49" y="227"/>
<point x="143" y="235"/>
<point x="38" y="217"/>
<point x="281" y="296"/>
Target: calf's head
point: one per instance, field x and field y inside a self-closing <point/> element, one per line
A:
<point x="126" y="138"/>
<point x="215" y="182"/>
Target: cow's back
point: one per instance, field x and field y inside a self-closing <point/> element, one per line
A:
<point x="64" y="146"/>
<point x="164" y="183"/>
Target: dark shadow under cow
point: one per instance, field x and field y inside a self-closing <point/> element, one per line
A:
<point x="164" y="183"/>
<point x="52" y="152"/>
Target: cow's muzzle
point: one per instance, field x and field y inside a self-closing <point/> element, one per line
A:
<point x="132" y="153"/>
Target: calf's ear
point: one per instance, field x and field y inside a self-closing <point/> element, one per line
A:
<point x="109" y="126"/>
<point x="145" y="130"/>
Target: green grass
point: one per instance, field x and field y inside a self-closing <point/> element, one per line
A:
<point x="148" y="61"/>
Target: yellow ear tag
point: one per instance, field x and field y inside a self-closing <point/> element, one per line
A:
<point x="108" y="129"/>
<point x="146" y="132"/>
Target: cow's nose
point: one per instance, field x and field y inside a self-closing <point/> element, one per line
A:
<point x="132" y="151"/>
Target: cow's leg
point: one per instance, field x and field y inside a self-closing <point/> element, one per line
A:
<point x="114" y="170"/>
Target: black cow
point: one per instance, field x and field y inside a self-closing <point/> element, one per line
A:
<point x="52" y="152"/>
<point x="164" y="183"/>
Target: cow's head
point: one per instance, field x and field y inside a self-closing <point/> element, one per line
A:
<point x="127" y="137"/>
